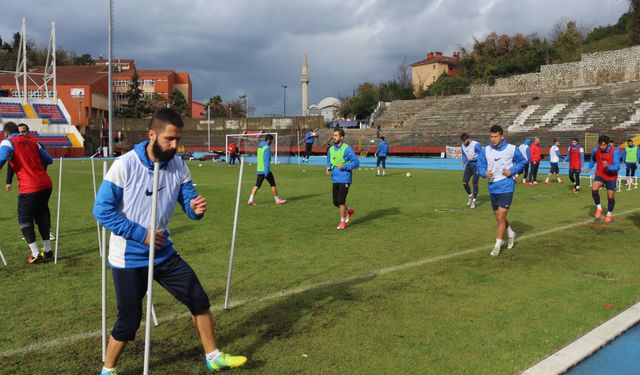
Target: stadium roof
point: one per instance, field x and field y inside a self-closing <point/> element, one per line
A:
<point x="66" y="75"/>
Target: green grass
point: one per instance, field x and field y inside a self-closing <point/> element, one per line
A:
<point x="468" y="314"/>
<point x="609" y="43"/>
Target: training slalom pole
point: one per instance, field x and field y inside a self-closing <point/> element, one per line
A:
<point x="153" y="315"/>
<point x="103" y="272"/>
<point x="2" y="256"/>
<point x="227" y="294"/>
<point x="93" y="174"/>
<point x="152" y="247"/>
<point x="55" y="254"/>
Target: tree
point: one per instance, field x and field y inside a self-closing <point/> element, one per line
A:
<point x="567" y="40"/>
<point x="634" y="22"/>
<point x="133" y="108"/>
<point x="85" y="59"/>
<point x="365" y="101"/>
<point x="151" y="104"/>
<point x="178" y="102"/>
<point x="447" y="85"/>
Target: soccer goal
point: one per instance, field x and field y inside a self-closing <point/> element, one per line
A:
<point x="283" y="147"/>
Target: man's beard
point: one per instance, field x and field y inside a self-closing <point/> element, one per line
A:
<point x="162" y="155"/>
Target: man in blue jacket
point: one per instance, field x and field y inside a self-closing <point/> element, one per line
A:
<point x="309" y="139"/>
<point x="123" y="205"/>
<point x="498" y="162"/>
<point x="341" y="160"/>
<point x="381" y="154"/>
<point x="264" y="171"/>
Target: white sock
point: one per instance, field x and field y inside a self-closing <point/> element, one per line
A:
<point x="276" y="198"/>
<point x="470" y="195"/>
<point x="108" y="369"/>
<point x="47" y="246"/>
<point x="251" y="197"/>
<point x="498" y="242"/>
<point x="609" y="213"/>
<point x="213" y="355"/>
<point x="510" y="232"/>
<point x="34" y="249"/>
<point x="474" y="199"/>
<point x="342" y="219"/>
<point x="599" y="206"/>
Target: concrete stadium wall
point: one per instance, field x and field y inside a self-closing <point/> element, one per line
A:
<point x="593" y="69"/>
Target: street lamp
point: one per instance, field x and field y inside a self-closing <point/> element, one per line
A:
<point x="284" y="105"/>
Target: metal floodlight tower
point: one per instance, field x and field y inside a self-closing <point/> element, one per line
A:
<point x="21" y="63"/>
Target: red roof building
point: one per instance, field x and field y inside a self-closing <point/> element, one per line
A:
<point x="425" y="72"/>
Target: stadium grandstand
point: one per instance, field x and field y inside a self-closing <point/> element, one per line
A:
<point x="34" y="101"/>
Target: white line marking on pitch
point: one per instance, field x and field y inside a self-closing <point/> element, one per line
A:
<point x="294" y="291"/>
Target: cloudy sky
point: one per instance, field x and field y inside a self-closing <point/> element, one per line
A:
<point x="254" y="47"/>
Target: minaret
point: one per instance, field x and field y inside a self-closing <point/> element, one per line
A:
<point x="305" y="85"/>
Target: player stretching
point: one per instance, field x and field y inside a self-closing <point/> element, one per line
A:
<point x="498" y="162"/>
<point x="554" y="158"/>
<point x="575" y="155"/>
<point x="631" y="160"/>
<point x="309" y="139"/>
<point x="264" y="171"/>
<point x="606" y="157"/>
<point x="341" y="160"/>
<point x="123" y="205"/>
<point x="470" y="151"/>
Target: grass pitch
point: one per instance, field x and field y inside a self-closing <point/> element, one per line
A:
<point x="408" y="288"/>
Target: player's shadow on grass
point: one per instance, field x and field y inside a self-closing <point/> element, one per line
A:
<point x="520" y="227"/>
<point x="298" y="314"/>
<point x="302" y="197"/>
<point x="377" y="214"/>
<point x="635" y="219"/>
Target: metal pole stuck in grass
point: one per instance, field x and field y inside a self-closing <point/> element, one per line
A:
<point x="233" y="237"/>
<point x="103" y="272"/>
<point x="55" y="254"/>
<point x="93" y="174"/>
<point x="152" y="242"/>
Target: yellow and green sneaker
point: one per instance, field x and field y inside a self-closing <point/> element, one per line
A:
<point x="225" y="360"/>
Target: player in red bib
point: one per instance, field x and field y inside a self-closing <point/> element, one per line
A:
<point x="28" y="160"/>
<point x="606" y="157"/>
<point x="575" y="155"/>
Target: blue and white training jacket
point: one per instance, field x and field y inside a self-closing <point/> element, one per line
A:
<point x="123" y="205"/>
<point x="474" y="149"/>
<point x="383" y="149"/>
<point x="493" y="159"/>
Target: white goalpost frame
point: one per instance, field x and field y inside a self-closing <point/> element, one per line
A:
<point x="251" y="136"/>
<point x="152" y="240"/>
<point x="227" y="294"/>
<point x="55" y="254"/>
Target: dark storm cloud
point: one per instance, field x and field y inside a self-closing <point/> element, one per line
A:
<point x="254" y="47"/>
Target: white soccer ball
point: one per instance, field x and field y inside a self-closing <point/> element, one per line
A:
<point x="199" y="165"/>
<point x="408" y="174"/>
<point x="303" y="171"/>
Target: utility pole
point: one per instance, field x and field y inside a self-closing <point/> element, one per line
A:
<point x="209" y="127"/>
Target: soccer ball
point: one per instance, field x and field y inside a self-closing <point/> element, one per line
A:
<point x="199" y="165"/>
<point x="408" y="174"/>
